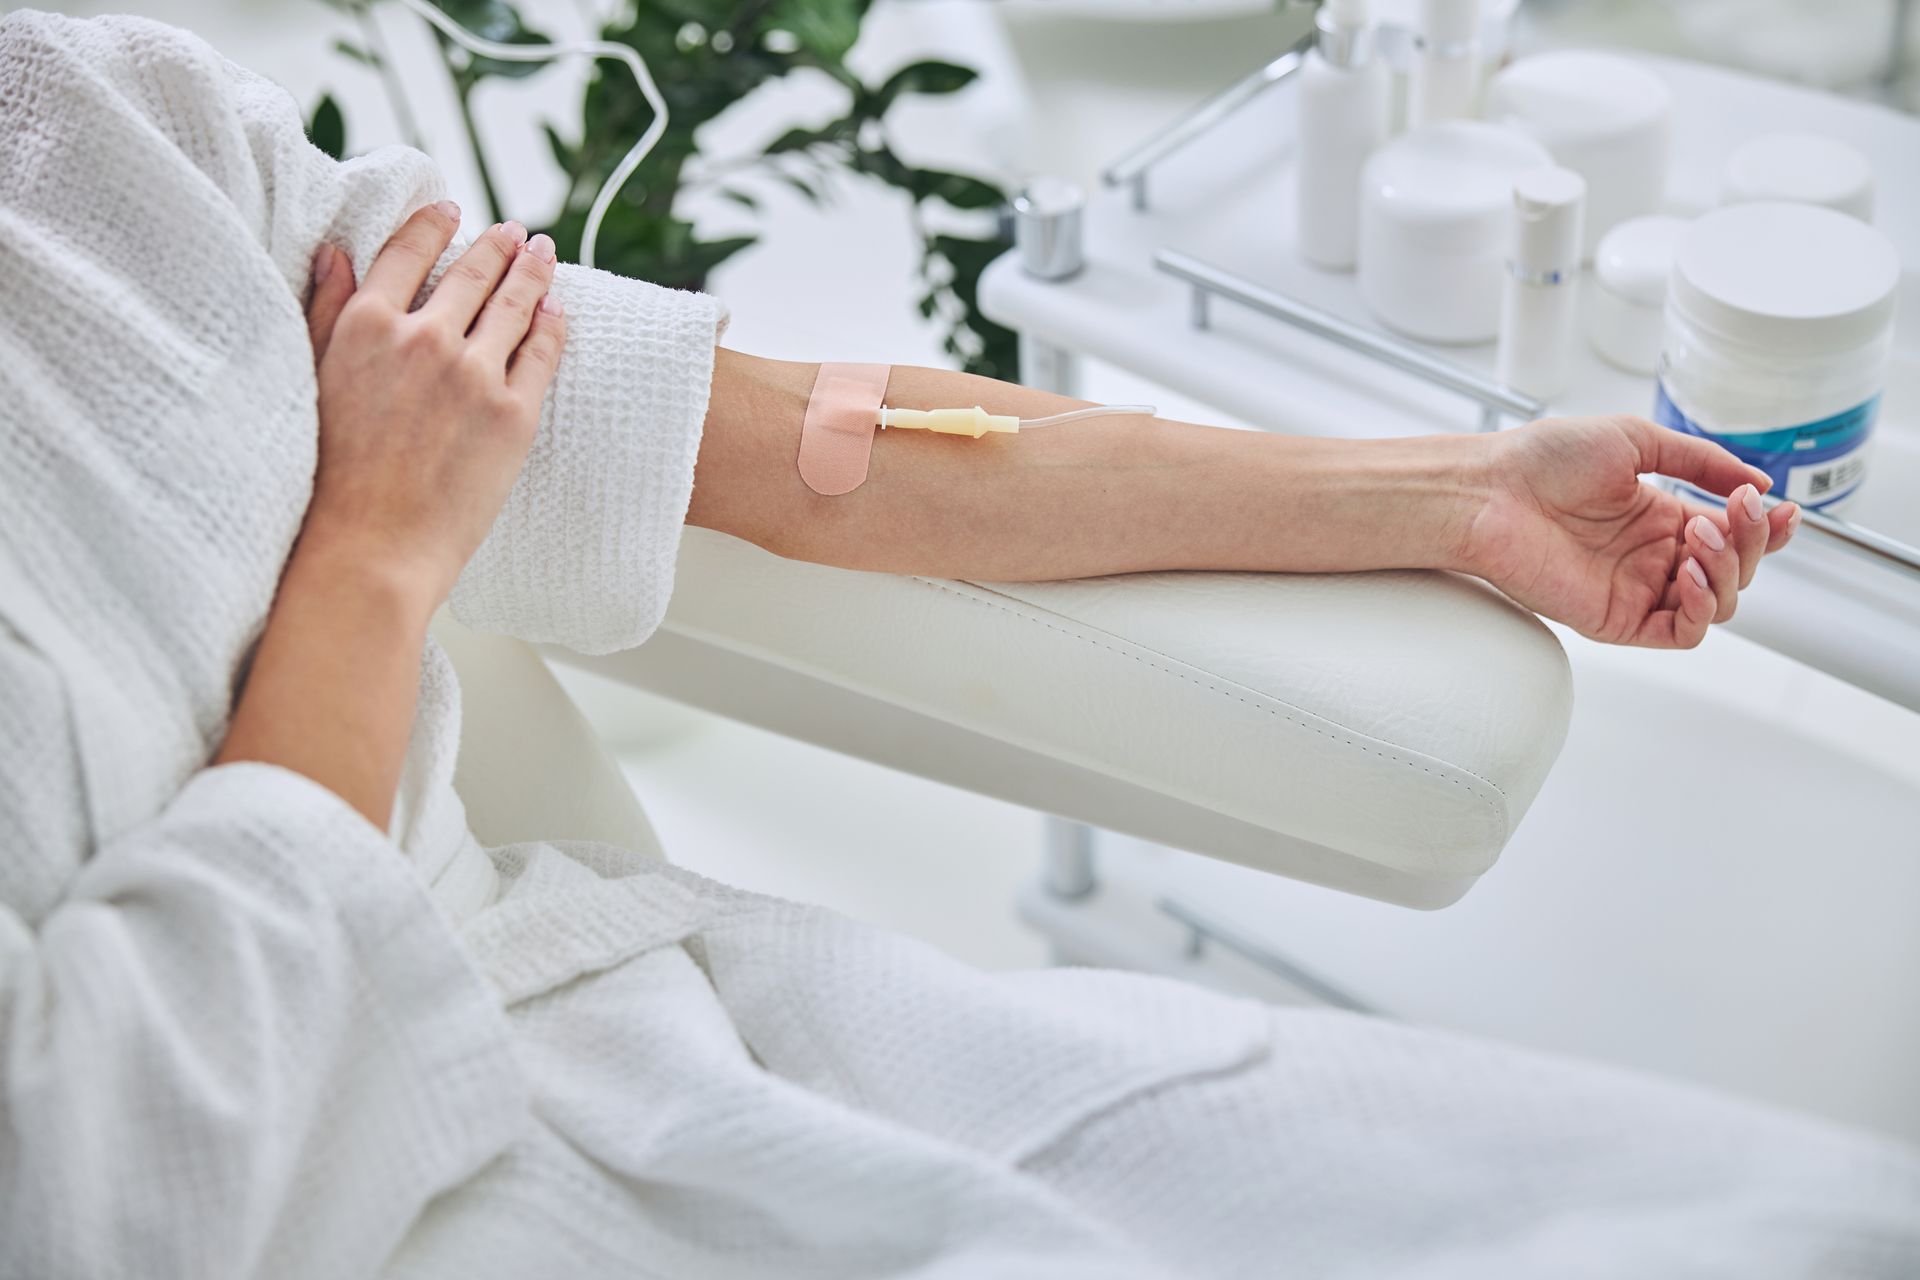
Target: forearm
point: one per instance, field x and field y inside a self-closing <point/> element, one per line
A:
<point x="332" y="689"/>
<point x="1108" y="495"/>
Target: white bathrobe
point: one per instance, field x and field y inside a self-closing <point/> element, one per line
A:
<point x="243" y="1033"/>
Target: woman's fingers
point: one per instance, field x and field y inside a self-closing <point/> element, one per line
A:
<point x="1706" y="539"/>
<point x="1691" y="604"/>
<point x="471" y="280"/>
<point x="1747" y="530"/>
<point x="508" y="314"/>
<point x="332" y="286"/>
<point x="1782" y="523"/>
<point x="402" y="266"/>
<point x="1690" y="458"/>
<point x="537" y="358"/>
<point x="1697" y="605"/>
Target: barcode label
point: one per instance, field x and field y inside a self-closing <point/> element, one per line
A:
<point x="1824" y="481"/>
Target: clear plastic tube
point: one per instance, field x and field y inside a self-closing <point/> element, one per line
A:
<point x="1092" y="411"/>
<point x="550" y="53"/>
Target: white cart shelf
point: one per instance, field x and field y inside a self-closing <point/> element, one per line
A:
<point x="1226" y="199"/>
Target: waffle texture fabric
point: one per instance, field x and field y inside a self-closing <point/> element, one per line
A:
<point x="243" y="1033"/>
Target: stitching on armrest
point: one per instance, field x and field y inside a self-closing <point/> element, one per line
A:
<point x="1269" y="704"/>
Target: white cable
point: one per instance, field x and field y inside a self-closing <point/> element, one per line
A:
<point x="1092" y="411"/>
<point x="551" y="53"/>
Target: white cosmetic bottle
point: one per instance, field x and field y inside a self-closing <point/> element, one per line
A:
<point x="1538" y="298"/>
<point x="1444" y="83"/>
<point x="1342" y="117"/>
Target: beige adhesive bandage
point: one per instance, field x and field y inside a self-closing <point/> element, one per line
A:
<point x="836" y="437"/>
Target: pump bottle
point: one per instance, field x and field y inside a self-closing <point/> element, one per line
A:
<point x="1538" y="301"/>
<point x="1343" y="104"/>
<point x="1444" y="82"/>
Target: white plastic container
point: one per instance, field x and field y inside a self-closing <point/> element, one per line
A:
<point x="1806" y="167"/>
<point x="1628" y="312"/>
<point x="1607" y="118"/>
<point x="1444" y="81"/>
<point x="1435" y="225"/>
<point x="1342" y="117"/>
<point x="1779" y="320"/>
<point x="1539" y="295"/>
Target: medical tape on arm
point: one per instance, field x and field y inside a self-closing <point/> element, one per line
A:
<point x="836" y="437"/>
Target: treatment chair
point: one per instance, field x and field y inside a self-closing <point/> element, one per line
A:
<point x="1378" y="733"/>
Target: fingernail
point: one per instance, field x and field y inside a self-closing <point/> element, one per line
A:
<point x="449" y="208"/>
<point x="1709" y="536"/>
<point x="541" y="247"/>
<point x="515" y="232"/>
<point x="323" y="263"/>
<point x="1699" y="575"/>
<point x="552" y="306"/>
<point x="1751" y="501"/>
<point x="1793" y="521"/>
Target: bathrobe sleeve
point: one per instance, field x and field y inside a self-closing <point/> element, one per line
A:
<point x="583" y="553"/>
<point x="244" y="1044"/>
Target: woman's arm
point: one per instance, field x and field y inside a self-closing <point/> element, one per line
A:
<point x="425" y="418"/>
<point x="1553" y="513"/>
<point x="1109" y="495"/>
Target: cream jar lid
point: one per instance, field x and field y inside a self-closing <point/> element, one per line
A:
<point x="1807" y="167"/>
<point x="1579" y="98"/>
<point x="1799" y="279"/>
<point x="1450" y="185"/>
<point x="1636" y="257"/>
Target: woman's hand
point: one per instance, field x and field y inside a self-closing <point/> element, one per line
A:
<point x="1568" y="529"/>
<point x="426" y="416"/>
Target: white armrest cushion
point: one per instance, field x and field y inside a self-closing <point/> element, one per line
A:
<point x="1382" y="733"/>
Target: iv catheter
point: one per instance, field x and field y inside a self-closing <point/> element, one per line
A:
<point x="976" y="422"/>
<point x="551" y="53"/>
<point x="848" y="409"/>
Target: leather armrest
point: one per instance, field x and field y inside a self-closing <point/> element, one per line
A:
<point x="1380" y="733"/>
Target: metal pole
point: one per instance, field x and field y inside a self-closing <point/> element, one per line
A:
<point x="1068" y="871"/>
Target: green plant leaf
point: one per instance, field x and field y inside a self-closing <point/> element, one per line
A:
<point x="825" y="28"/>
<point x="957" y="189"/>
<point x="492" y="20"/>
<point x="327" y="128"/>
<point x="347" y="49"/>
<point x="805" y="188"/>
<point x="741" y="198"/>
<point x="563" y="153"/>
<point x="702" y="256"/>
<point x="923" y="77"/>
<point x="802" y="139"/>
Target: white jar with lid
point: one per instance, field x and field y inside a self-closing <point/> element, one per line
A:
<point x="1435" y="223"/>
<point x="1630" y="270"/>
<point x="1779" y="321"/>
<point x="1805" y="167"/>
<point x="1607" y="118"/>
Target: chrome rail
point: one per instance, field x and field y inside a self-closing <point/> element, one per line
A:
<point x="1204" y="927"/>
<point x="1862" y="542"/>
<point x="1132" y="168"/>
<point x="1209" y="282"/>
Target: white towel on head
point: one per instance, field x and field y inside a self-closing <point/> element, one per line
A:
<point x="239" y="1035"/>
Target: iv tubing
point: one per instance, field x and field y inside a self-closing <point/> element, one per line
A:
<point x="1092" y="411"/>
<point x="977" y="422"/>
<point x="551" y="53"/>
